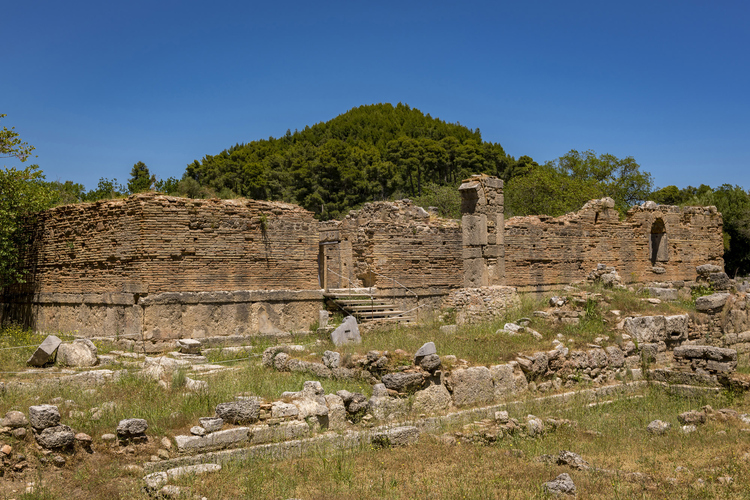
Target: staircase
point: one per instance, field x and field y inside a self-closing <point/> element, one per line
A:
<point x="362" y="304"/>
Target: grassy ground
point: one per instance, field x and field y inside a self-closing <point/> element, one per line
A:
<point x="611" y="436"/>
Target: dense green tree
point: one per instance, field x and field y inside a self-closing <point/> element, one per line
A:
<point x="734" y="204"/>
<point x="621" y="179"/>
<point x="546" y="190"/>
<point x="66" y="193"/>
<point x="23" y="192"/>
<point x="106" y="189"/>
<point x="140" y="179"/>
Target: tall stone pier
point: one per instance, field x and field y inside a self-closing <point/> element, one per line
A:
<point x="482" y="226"/>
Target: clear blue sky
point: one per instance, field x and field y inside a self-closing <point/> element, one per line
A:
<point x="99" y="86"/>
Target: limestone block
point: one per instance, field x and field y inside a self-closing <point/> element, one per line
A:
<point x="474" y="230"/>
<point x="502" y="377"/>
<point x="336" y="412"/>
<point x="59" y="436"/>
<point x="280" y="409"/>
<point x="646" y="328"/>
<point x="14" y="419"/>
<point x="131" y="427"/>
<point x="45" y="353"/>
<point x="663" y="293"/>
<point x="397" y="436"/>
<point x="403" y="382"/>
<point x="385" y="408"/>
<point x="347" y="332"/>
<point x="472" y="386"/>
<point x="212" y="441"/>
<point x="211" y="424"/>
<point x="434" y="399"/>
<point x="189" y="346"/>
<point x="615" y="356"/>
<point x="677" y="327"/>
<point x="472" y="252"/>
<point x="44" y="416"/>
<point x="242" y="411"/>
<point x="712" y="302"/>
<point x="81" y="352"/>
<point x="261" y="434"/>
<point x="475" y="273"/>
<point x="331" y="359"/>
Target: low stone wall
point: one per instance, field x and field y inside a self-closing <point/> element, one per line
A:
<point x="156" y="321"/>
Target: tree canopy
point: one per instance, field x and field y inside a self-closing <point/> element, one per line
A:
<point x="22" y="193"/>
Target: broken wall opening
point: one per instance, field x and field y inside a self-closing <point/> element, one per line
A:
<point x="659" y="244"/>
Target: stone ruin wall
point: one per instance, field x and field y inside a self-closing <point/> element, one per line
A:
<point x="167" y="267"/>
<point x="390" y="244"/>
<point x="161" y="267"/>
<point x="542" y="253"/>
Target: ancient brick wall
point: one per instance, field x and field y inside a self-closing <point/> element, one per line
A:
<point x="398" y="242"/>
<point x="542" y="252"/>
<point x="109" y="268"/>
<point x="151" y="243"/>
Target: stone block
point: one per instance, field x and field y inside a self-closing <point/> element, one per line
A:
<point x="213" y="441"/>
<point x="347" y="332"/>
<point x="434" y="399"/>
<point x="474" y="230"/>
<point x="59" y="436"/>
<point x="45" y="353"/>
<point x="397" y="436"/>
<point x="43" y="416"/>
<point x="646" y="329"/>
<point x="189" y="346"/>
<point x="472" y="386"/>
<point x="243" y="411"/>
<point x="710" y="303"/>
<point x="677" y="327"/>
<point x="475" y="273"/>
<point x="81" y="352"/>
<point x="503" y="379"/>
<point x="261" y="434"/>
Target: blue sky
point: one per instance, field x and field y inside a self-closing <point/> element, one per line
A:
<point x="99" y="86"/>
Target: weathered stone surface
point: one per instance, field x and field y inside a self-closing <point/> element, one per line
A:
<point x="615" y="356"/>
<point x="44" y="416"/>
<point x="534" y="426"/>
<point x="707" y="269"/>
<point x="706" y="352"/>
<point x="283" y="410"/>
<point x="646" y="328"/>
<point x="131" y="427"/>
<point x="503" y="379"/>
<point x="45" y="353"/>
<point x="387" y="408"/>
<point x="427" y="349"/>
<point x="241" y="411"/>
<point x="561" y="485"/>
<point x="677" y="327"/>
<point x="212" y="441"/>
<point x="14" y="420"/>
<point x="81" y="352"/>
<point x="403" y="382"/>
<point x="331" y="359"/>
<point x="431" y="362"/>
<point x="663" y="293"/>
<point x="52" y="438"/>
<point x="189" y="346"/>
<point x="397" y="436"/>
<point x="658" y="427"/>
<point x="197" y="430"/>
<point x="434" y="399"/>
<point x="711" y="302"/>
<point x="572" y="460"/>
<point x="472" y="386"/>
<point x="336" y="412"/>
<point x="347" y="332"/>
<point x="211" y="424"/>
<point x="261" y="434"/>
<point x="692" y="417"/>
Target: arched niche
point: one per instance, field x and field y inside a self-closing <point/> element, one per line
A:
<point x="658" y="246"/>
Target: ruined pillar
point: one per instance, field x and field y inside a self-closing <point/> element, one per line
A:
<point x="482" y="224"/>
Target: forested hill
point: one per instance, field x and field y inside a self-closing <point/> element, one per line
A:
<point x="372" y="152"/>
